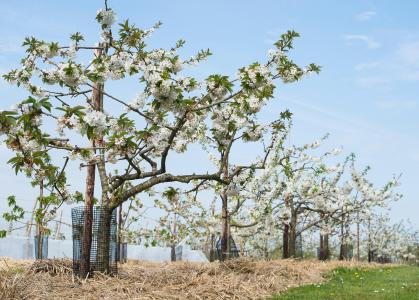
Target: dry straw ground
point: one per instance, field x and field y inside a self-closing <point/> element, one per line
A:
<point x="235" y="279"/>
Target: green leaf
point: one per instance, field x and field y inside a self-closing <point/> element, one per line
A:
<point x="77" y="37"/>
<point x="11" y="200"/>
<point x="286" y="115"/>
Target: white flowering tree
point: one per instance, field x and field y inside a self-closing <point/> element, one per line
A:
<point x="299" y="193"/>
<point x="130" y="214"/>
<point x="336" y="202"/>
<point x="299" y="190"/>
<point x="384" y="241"/>
<point x="238" y="176"/>
<point x="261" y="239"/>
<point x="278" y="195"/>
<point x="316" y="195"/>
<point x="170" y="112"/>
<point x="302" y="195"/>
<point x="183" y="217"/>
<point x="364" y="203"/>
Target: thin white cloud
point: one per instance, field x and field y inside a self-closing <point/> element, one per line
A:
<point x="401" y="65"/>
<point x="411" y="75"/>
<point x="364" y="136"/>
<point x="365" y="15"/>
<point x="10" y="47"/>
<point x="345" y="123"/>
<point x="367" y="66"/>
<point x="370" y="42"/>
<point x="409" y="53"/>
<point x="273" y="32"/>
<point x="273" y="35"/>
<point x="371" y="81"/>
<point x="397" y="104"/>
<point x="387" y="75"/>
<point x="269" y="41"/>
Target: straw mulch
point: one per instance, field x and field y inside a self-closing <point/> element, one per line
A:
<point x="235" y="279"/>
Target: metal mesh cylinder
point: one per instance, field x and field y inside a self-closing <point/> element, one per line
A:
<point x="234" y="251"/>
<point x="347" y="251"/>
<point x="43" y="247"/>
<point x="122" y="253"/>
<point x="97" y="263"/>
<point x="299" y="247"/>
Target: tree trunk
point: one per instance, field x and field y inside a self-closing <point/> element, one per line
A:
<point x="225" y="222"/>
<point x="173" y="246"/>
<point x="30" y="224"/>
<point x="119" y="257"/>
<point x="286" y="232"/>
<point x="103" y="249"/>
<point x="324" y="252"/>
<point x="326" y="246"/>
<point x="285" y="241"/>
<point x="265" y="251"/>
<point x="212" y="252"/>
<point x="292" y="236"/>
<point x="225" y="238"/>
<point x="370" y="256"/>
<point x="291" y="244"/>
<point x="39" y="227"/>
<point x="85" y="268"/>
<point x="173" y="252"/>
<point x="58" y="228"/>
<point x="321" y="242"/>
<point x="357" y="239"/>
<point x="342" y="252"/>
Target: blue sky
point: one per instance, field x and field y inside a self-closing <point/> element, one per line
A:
<point x="366" y="97"/>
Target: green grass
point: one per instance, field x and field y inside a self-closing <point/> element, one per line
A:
<point x="395" y="283"/>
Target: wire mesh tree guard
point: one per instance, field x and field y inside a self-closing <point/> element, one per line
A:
<point x="41" y="250"/>
<point x="178" y="252"/>
<point x="374" y="256"/>
<point x="299" y="246"/>
<point x="122" y="253"/>
<point x="99" y="261"/>
<point x="347" y="251"/>
<point x="234" y="251"/>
